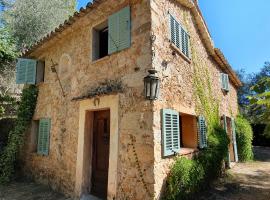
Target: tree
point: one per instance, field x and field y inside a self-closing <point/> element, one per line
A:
<point x="8" y="53"/>
<point x="247" y="109"/>
<point x="22" y="23"/>
<point x="260" y="102"/>
<point x="30" y="20"/>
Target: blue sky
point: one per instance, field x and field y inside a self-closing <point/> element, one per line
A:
<point x="240" y="28"/>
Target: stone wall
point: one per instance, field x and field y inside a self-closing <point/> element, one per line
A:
<point x="72" y="50"/>
<point x="177" y="77"/>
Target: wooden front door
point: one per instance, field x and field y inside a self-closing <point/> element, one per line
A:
<point x="100" y="159"/>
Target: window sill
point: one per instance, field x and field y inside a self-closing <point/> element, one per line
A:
<point x="180" y="53"/>
<point x="187" y="151"/>
<point x="100" y="59"/>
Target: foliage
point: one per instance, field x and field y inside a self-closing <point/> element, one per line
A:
<point x="266" y="131"/>
<point x="260" y="103"/>
<point x="16" y="136"/>
<point x="185" y="177"/>
<point x="189" y="176"/>
<point x="8" y="53"/>
<point x="30" y="20"/>
<point x="248" y="109"/>
<point x="8" y="50"/>
<point x="244" y="136"/>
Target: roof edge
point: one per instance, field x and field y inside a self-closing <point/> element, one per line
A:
<point x="205" y="33"/>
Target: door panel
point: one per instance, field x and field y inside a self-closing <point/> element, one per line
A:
<point x="100" y="160"/>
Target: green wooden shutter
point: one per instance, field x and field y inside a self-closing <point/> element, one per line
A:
<point x="21" y="68"/>
<point x="185" y="42"/>
<point x="226" y="130"/>
<point x="44" y="136"/>
<point x="26" y="71"/>
<point x="119" y="30"/>
<point x="225" y="81"/>
<point x="202" y="132"/>
<point x="234" y="140"/>
<point x="124" y="28"/>
<point x="171" y="132"/>
<point x="173" y="30"/>
<point x="31" y="71"/>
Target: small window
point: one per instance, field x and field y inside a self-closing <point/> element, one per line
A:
<point x="225" y="82"/>
<point x="40" y="72"/>
<point x="179" y="37"/>
<point x="33" y="136"/>
<point x="100" y="41"/>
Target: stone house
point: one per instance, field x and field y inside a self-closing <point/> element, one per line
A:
<point x="94" y="131"/>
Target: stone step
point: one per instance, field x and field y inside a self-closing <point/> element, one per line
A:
<point x="89" y="197"/>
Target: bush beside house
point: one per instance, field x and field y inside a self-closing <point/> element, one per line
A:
<point x="189" y="176"/>
<point x="6" y="125"/>
<point x="244" y="136"/>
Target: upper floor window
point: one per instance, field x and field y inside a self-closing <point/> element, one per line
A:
<point x="179" y="37"/>
<point x="112" y="36"/>
<point x="225" y="82"/>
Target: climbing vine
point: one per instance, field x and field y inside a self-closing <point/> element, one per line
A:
<point x="16" y="136"/>
<point x="189" y="176"/>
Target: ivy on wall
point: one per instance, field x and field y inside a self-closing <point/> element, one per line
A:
<point x="16" y="136"/>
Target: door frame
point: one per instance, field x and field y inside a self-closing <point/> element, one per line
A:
<point x="84" y="150"/>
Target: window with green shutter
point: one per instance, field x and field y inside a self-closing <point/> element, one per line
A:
<point x="119" y="35"/>
<point x="179" y="37"/>
<point x="202" y="132"/>
<point x="44" y="136"/>
<point x="225" y="82"/>
<point x="170" y="132"/>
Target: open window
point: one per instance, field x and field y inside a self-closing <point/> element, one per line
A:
<point x="113" y="35"/>
<point x="100" y="41"/>
<point x="188" y="131"/>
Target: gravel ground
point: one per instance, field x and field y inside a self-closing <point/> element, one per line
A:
<point x="25" y="190"/>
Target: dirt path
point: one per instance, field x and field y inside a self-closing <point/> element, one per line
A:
<point x="246" y="181"/>
<point x="28" y="191"/>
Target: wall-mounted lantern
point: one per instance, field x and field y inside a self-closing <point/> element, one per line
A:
<point x="151" y="85"/>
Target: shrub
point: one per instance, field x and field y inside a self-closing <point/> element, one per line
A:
<point x="244" y="136"/>
<point x="184" y="179"/>
<point x="188" y="176"/>
<point x="16" y="136"/>
<point x="266" y="132"/>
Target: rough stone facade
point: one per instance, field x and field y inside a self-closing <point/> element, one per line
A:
<point x="177" y="77"/>
<point x="139" y="124"/>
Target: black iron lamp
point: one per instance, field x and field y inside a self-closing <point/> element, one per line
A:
<point x="151" y="85"/>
